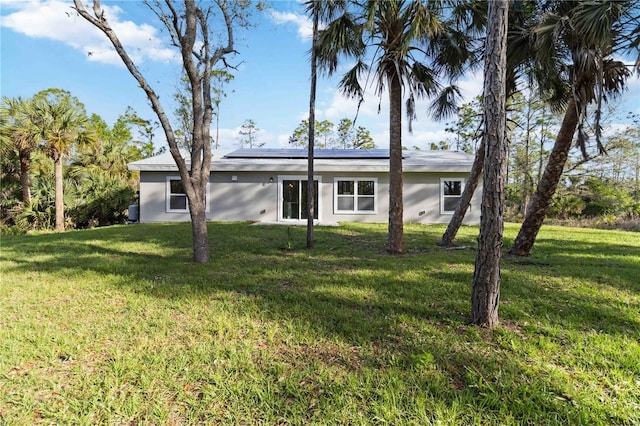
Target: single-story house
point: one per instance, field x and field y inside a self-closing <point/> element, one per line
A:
<point x="269" y="185"/>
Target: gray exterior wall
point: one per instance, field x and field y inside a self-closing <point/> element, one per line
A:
<point x="252" y="196"/>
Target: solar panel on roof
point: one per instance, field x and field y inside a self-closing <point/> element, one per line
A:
<point x="318" y="153"/>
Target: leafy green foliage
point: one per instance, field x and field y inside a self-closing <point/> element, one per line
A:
<point x="249" y="135"/>
<point x="97" y="185"/>
<point x="608" y="198"/>
<point x="40" y="213"/>
<point x="346" y="136"/>
<point x="100" y="199"/>
<point x="565" y="205"/>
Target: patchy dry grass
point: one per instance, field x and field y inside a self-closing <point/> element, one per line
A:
<point x="117" y="326"/>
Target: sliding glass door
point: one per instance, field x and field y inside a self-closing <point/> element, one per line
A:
<point x="294" y="198"/>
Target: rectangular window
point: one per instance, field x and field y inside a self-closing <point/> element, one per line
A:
<point x="355" y="195"/>
<point x="450" y="193"/>
<point x="177" y="197"/>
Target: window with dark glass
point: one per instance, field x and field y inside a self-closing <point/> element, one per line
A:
<point x="177" y="196"/>
<point x="451" y="191"/>
<point x="294" y="199"/>
<point x="355" y="195"/>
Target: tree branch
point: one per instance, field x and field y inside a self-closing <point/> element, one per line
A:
<point x="102" y="24"/>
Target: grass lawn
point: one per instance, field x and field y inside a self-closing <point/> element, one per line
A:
<point x="117" y="326"/>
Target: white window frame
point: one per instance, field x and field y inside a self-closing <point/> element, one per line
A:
<point x="168" y="208"/>
<point x="443" y="196"/>
<point x="318" y="208"/>
<point x="355" y="195"/>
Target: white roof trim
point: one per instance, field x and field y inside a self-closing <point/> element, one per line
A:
<point x="414" y="161"/>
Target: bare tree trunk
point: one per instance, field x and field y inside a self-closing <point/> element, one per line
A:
<point x="312" y="128"/>
<point x="199" y="233"/>
<point x="396" y="224"/>
<point x="188" y="27"/>
<point x="485" y="295"/>
<point x="59" y="196"/>
<point x="465" y="199"/>
<point x="25" y="167"/>
<point x="548" y="184"/>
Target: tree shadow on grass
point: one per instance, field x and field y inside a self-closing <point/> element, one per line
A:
<point x="616" y="263"/>
<point x="253" y="260"/>
<point x="396" y="311"/>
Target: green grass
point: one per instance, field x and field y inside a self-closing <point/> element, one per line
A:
<point x="118" y="326"/>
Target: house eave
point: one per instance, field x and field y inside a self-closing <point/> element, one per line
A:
<point x="414" y="162"/>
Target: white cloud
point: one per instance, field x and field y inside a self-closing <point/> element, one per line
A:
<point x="339" y="106"/>
<point x="229" y="139"/>
<point x="632" y="95"/>
<point x="56" y="20"/>
<point x="374" y="116"/>
<point x="471" y="86"/>
<point x="304" y="24"/>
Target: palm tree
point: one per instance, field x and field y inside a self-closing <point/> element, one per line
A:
<point x="20" y="135"/>
<point x="522" y="17"/>
<point x="61" y="123"/>
<point x="312" y="7"/>
<point x="402" y="35"/>
<point x="575" y="42"/>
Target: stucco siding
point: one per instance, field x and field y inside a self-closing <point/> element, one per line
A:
<point x="242" y="196"/>
<point x="255" y="196"/>
<point x="422" y="200"/>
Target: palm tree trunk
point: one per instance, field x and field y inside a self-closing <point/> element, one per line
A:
<point x="25" y="167"/>
<point x="312" y="128"/>
<point x="59" y="197"/>
<point x="465" y="199"/>
<point x="541" y="200"/>
<point x="395" y="243"/>
<point x="485" y="294"/>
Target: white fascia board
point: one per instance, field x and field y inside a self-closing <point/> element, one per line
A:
<point x="153" y="167"/>
<point x="444" y="168"/>
<point x="299" y="165"/>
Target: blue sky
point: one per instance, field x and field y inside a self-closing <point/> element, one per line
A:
<point x="44" y="44"/>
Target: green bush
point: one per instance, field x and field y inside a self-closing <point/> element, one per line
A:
<point x="565" y="205"/>
<point x="100" y="200"/>
<point x="603" y="198"/>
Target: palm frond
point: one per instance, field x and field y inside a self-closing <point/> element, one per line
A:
<point x="350" y="83"/>
<point x="341" y="38"/>
<point x="594" y="21"/>
<point x="422" y="80"/>
<point x="446" y="103"/>
<point x="411" y="112"/>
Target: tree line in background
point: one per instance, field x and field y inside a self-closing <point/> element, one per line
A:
<point x="327" y="135"/>
<point x="604" y="186"/>
<point x="62" y="168"/>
